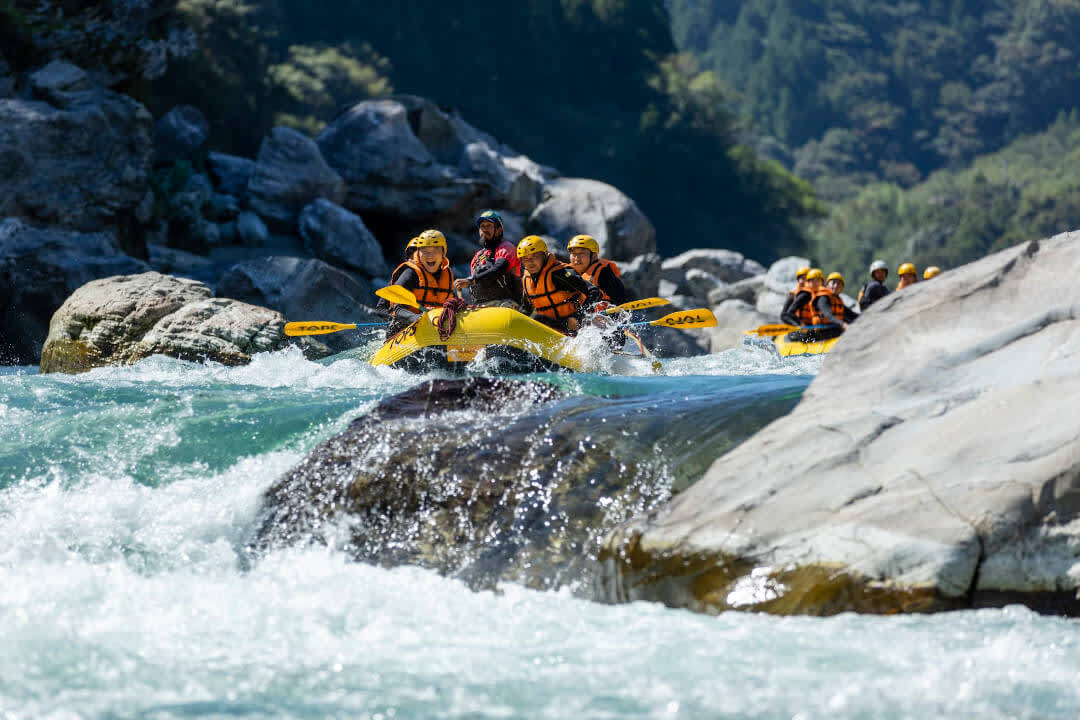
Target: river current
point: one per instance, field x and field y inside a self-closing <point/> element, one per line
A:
<point x="129" y="498"/>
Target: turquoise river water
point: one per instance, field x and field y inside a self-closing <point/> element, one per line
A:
<point x="128" y="496"/>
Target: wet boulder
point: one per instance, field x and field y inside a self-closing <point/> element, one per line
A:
<point x="571" y="206"/>
<point x="746" y="290"/>
<point x="39" y="269"/>
<point x="73" y="155"/>
<point x="118" y="320"/>
<point x="230" y="174"/>
<point x="494" y="480"/>
<point x="932" y="464"/>
<point x="725" y="265"/>
<point x="290" y="173"/>
<point x="641" y="276"/>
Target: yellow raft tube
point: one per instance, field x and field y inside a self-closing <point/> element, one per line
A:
<point x="513" y="341"/>
<point x="792" y="348"/>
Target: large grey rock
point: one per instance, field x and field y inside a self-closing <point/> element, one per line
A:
<point x="180" y="134"/>
<point x="700" y="283"/>
<point x="933" y="463"/>
<point x="387" y="168"/>
<point x="121" y="319"/>
<point x="732" y="318"/>
<point x="304" y="289"/>
<point x="572" y="206"/>
<point x="334" y="234"/>
<point x="746" y="290"/>
<point x="726" y="265"/>
<point x="781" y="275"/>
<point x="231" y="174"/>
<point x="39" y="269"/>
<point x="251" y="230"/>
<point x="289" y="173"/>
<point x="641" y="276"/>
<point x="78" y="157"/>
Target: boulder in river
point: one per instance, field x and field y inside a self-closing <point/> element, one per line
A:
<point x="339" y="237"/>
<point x="572" y="206"/>
<point x="180" y="134"/>
<point x="933" y="463"/>
<point x="289" y="173"/>
<point x="118" y="320"/>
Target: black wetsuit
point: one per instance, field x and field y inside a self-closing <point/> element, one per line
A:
<point x="790" y="314"/>
<point x="493" y="279"/>
<point x="566" y="279"/>
<point x="611" y="285"/>
<point x="833" y="325"/>
<point x="401" y="316"/>
<point x="871" y="292"/>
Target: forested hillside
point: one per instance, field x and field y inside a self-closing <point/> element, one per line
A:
<point x="852" y="93"/>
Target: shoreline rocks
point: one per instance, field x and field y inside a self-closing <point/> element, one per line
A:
<point x="933" y="463"/>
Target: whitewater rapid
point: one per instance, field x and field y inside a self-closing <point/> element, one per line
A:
<point x="128" y="499"/>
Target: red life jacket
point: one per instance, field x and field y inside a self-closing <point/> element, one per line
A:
<point x="593" y="271"/>
<point x="504" y="249"/>
<point x="836" y="305"/>
<point x="433" y="289"/>
<point x="548" y="300"/>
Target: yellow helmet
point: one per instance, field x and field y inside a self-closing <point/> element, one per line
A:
<point x="836" y="276"/>
<point x="801" y="272"/>
<point x="930" y="272"/>
<point x="413" y="244"/>
<point x="815" y="274"/>
<point x="530" y="245"/>
<point x="429" y="238"/>
<point x="584" y="241"/>
<point x="906" y="268"/>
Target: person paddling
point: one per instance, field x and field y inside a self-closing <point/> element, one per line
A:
<point x="800" y="285"/>
<point x="556" y="294"/>
<point x="908" y="276"/>
<point x="831" y="315"/>
<point x="495" y="270"/>
<point x="426" y="274"/>
<point x="801" y="312"/>
<point x="604" y="274"/>
<point x="875" y="289"/>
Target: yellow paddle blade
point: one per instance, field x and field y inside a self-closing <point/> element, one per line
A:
<point x="398" y="295"/>
<point x="770" y="330"/>
<point x="315" y="327"/>
<point x="700" y="318"/>
<point x="639" y="304"/>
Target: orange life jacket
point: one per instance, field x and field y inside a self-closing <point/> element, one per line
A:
<point x="805" y="314"/>
<point x="546" y="298"/>
<point x="593" y="271"/>
<point x="433" y="290"/>
<point x="904" y="283"/>
<point x="835" y="304"/>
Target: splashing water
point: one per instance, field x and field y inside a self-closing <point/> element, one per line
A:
<point x="128" y="497"/>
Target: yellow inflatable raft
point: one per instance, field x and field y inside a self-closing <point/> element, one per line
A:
<point x="510" y="340"/>
<point x="786" y="347"/>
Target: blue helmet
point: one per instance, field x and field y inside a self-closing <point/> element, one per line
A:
<point x="490" y="216"/>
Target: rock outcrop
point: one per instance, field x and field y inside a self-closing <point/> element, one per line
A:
<point x="39" y="269"/>
<point x="74" y="155"/>
<point x="118" y="320"/>
<point x="572" y="206"/>
<point x="289" y="173"/>
<point x="339" y="237"/>
<point x="933" y="463"/>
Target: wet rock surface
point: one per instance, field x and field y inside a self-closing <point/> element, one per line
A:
<point x="933" y="463"/>
<point x="501" y="480"/>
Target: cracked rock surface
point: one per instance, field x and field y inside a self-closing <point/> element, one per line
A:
<point x="934" y="463"/>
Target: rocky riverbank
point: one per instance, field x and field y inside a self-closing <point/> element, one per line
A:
<point x="933" y="463"/>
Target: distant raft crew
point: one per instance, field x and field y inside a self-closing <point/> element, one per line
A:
<point x="875" y="289"/>
<point x="908" y="275"/>
<point x="556" y="294"/>
<point x="800" y="310"/>
<point x="426" y="273"/>
<point x="831" y="315"/>
<point x="800" y="285"/>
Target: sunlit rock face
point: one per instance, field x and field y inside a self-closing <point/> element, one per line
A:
<point x="122" y="319"/>
<point x="933" y="463"/>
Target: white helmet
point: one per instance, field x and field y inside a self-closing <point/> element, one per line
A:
<point x="878" y="265"/>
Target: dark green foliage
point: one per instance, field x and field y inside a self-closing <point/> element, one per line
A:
<point x="592" y="87"/>
<point x="1029" y="190"/>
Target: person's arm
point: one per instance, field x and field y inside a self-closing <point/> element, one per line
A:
<point x="567" y="279"/>
<point x="787" y="304"/>
<point x="791" y="316"/>
<point x="824" y="309"/>
<point x="403" y="313"/>
<point x="612" y="286"/>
